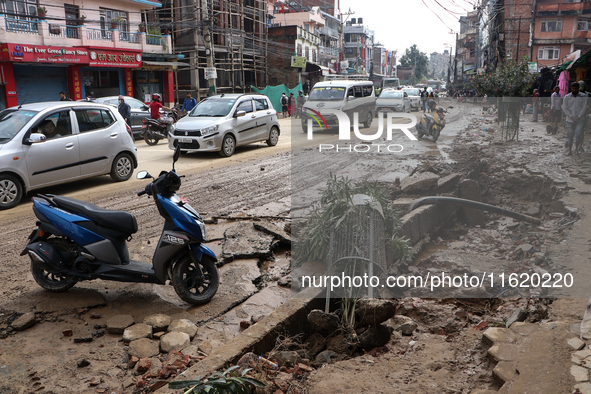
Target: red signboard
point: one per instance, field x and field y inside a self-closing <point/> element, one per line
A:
<point x="114" y="58"/>
<point x="47" y="54"/>
<point x="70" y="55"/>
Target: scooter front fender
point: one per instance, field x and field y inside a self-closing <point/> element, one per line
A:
<point x="203" y="250"/>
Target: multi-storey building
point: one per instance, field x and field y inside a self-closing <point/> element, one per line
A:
<point x="358" y="44"/>
<point x="85" y="48"/>
<point x="239" y="40"/>
<point x="466" y="48"/>
<point x="290" y="41"/>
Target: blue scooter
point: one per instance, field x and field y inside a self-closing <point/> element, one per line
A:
<point x="75" y="240"/>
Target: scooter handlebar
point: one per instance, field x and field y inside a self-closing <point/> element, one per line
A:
<point x="141" y="193"/>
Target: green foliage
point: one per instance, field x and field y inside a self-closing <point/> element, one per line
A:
<point x="335" y="209"/>
<point x="153" y="30"/>
<point x="228" y="382"/>
<point x="414" y="57"/>
<point x="511" y="79"/>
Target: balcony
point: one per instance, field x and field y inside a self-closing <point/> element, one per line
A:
<point x="328" y="52"/>
<point x="44" y="33"/>
<point x="327" y="31"/>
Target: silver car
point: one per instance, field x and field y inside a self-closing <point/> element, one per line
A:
<point x="139" y="110"/>
<point x="49" y="143"/>
<point x="414" y="97"/>
<point x="221" y="123"/>
<point x="391" y="100"/>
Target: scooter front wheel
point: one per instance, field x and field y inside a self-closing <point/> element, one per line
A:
<point x="150" y="137"/>
<point x="193" y="286"/>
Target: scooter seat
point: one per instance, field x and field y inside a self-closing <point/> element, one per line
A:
<point x="117" y="220"/>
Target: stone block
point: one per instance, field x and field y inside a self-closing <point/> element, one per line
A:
<point x="137" y="331"/>
<point x="159" y="322"/>
<point x="576" y="343"/>
<point x="503" y="352"/>
<point x="497" y="334"/>
<point x="505" y="371"/>
<point x="117" y="324"/>
<point x="581" y="374"/>
<point x="584" y="388"/>
<point x="524" y="329"/>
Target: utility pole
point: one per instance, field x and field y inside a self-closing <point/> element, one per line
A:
<point x="518" y="36"/>
<point x="208" y="39"/>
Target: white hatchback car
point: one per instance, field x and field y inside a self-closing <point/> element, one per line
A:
<point x="46" y="144"/>
<point x="392" y="100"/>
<point x="221" y="123"/>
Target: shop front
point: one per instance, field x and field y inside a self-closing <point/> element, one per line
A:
<point x="37" y="73"/>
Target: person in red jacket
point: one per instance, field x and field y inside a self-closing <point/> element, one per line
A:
<point x="155" y="106"/>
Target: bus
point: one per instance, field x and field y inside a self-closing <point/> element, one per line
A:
<point x="393" y="83"/>
<point x="435" y="84"/>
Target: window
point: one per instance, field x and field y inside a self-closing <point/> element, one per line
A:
<point x="549" y="25"/>
<point x="134" y="104"/>
<point x="584" y="24"/>
<point x="107" y="15"/>
<point x="358" y="91"/>
<point x="367" y="90"/>
<point x="472" y="52"/>
<point x="19" y="9"/>
<point x="245" y="106"/>
<point x="261" y="104"/>
<point x="307" y="52"/>
<point x="56" y="125"/>
<point x="314" y="55"/>
<point x="548" y="53"/>
<point x="93" y="119"/>
<point x="299" y="50"/>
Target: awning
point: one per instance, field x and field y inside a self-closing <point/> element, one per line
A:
<point x="166" y="64"/>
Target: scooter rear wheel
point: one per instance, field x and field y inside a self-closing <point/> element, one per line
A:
<point x="56" y="283"/>
<point x="192" y="287"/>
<point x="150" y="138"/>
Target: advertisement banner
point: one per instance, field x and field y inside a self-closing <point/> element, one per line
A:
<point x="114" y="58"/>
<point x="298" y="61"/>
<point x="45" y="54"/>
<point x="211" y="73"/>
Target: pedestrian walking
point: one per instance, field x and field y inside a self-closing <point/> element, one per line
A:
<point x="574" y="107"/>
<point x="424" y="98"/>
<point x="300" y="100"/>
<point x="189" y="103"/>
<point x="555" y="104"/>
<point x="583" y="91"/>
<point x="291" y="104"/>
<point x="63" y="97"/>
<point x="284" y="104"/>
<point x="124" y="110"/>
<point x="536" y="103"/>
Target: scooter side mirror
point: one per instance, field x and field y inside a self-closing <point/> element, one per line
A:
<point x="143" y="175"/>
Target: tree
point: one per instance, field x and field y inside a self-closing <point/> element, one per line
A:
<point x="413" y="57"/>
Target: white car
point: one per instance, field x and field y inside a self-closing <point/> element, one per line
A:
<point x="414" y="96"/>
<point x="45" y="144"/>
<point x="221" y="123"/>
<point x="392" y="100"/>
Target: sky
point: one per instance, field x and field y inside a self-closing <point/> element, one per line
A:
<point x="398" y="24"/>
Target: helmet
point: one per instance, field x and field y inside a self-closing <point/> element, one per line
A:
<point x="156" y="96"/>
<point x="121" y="97"/>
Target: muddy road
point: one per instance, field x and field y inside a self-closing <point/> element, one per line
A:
<point x="256" y="181"/>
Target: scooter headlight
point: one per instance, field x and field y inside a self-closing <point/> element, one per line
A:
<point x="203" y="231"/>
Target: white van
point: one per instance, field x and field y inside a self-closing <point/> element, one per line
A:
<point x="344" y="95"/>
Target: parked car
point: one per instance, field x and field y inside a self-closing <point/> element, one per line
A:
<point x="391" y="100"/>
<point x="223" y="122"/>
<point x="139" y="110"/>
<point x="414" y="97"/>
<point x="50" y="143"/>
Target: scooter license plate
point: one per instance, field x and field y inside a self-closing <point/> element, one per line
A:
<point x="144" y="126"/>
<point x="185" y="140"/>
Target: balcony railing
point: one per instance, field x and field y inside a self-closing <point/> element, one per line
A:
<point x="129" y="37"/>
<point x="327" y="51"/>
<point x="64" y="31"/>
<point x="98" y="34"/>
<point x="153" y="39"/>
<point x="21" y="26"/>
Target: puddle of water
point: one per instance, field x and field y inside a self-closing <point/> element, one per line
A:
<point x="427" y="251"/>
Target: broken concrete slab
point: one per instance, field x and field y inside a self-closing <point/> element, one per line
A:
<point x="503" y="352"/>
<point x="581" y="374"/>
<point x="243" y="241"/>
<point x="143" y="348"/>
<point x="576" y="343"/>
<point x="505" y="371"/>
<point x="497" y="334"/>
<point x="25" y="321"/>
<point x="183" y="325"/>
<point x="419" y="183"/>
<point x="137" y="331"/>
<point x="159" y="322"/>
<point x="448" y="182"/>
<point x="274" y="230"/>
<point x="174" y="340"/>
<point x="117" y="324"/>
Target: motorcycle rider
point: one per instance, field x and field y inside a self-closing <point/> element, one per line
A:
<point x="155" y="106"/>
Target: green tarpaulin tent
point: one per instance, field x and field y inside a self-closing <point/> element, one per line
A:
<point x="274" y="93"/>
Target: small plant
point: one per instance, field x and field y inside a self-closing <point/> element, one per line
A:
<point x="228" y="382"/>
<point x="153" y="30"/>
<point x="41" y="10"/>
<point x="141" y="27"/>
<point x="116" y="19"/>
<point x="82" y="17"/>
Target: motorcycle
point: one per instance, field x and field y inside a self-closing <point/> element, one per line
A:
<point x="432" y="124"/>
<point x="154" y="130"/>
<point x="76" y="241"/>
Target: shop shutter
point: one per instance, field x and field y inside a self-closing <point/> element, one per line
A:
<point x="40" y="83"/>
